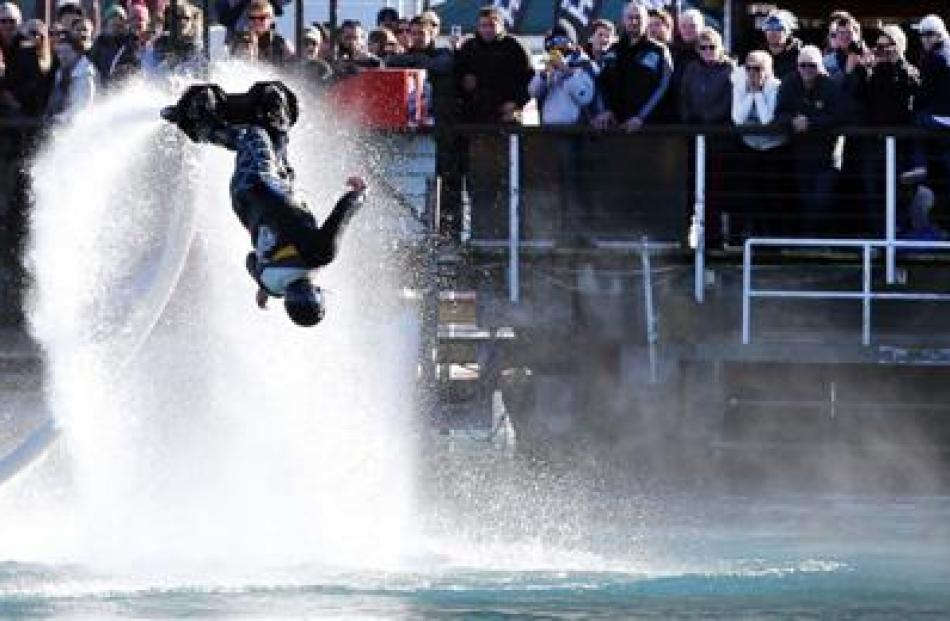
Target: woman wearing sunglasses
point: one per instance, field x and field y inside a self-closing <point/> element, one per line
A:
<point x="706" y="91"/>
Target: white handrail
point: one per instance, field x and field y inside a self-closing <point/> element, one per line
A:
<point x="867" y="294"/>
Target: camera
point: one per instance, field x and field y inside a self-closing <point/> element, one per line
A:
<point x="857" y="47"/>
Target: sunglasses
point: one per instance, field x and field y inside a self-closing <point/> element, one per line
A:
<point x="258" y="18"/>
<point x="753" y="68"/>
<point x="808" y="65"/>
<point x="7" y="20"/>
<point x="706" y="48"/>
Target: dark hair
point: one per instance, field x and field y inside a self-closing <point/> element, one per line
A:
<point x="602" y="23"/>
<point x="69" y="8"/>
<point x="663" y="15"/>
<point x="385" y="14"/>
<point x="491" y="12"/>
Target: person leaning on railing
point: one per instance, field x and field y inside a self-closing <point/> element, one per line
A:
<point x="754" y="99"/>
<point x="808" y="107"/>
<point x="492" y="71"/>
<point x="636" y="74"/>
<point x="932" y="107"/>
<point x="705" y="96"/>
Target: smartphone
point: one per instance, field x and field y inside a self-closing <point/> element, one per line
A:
<point x="456" y="31"/>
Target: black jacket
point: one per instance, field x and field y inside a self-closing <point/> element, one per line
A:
<point x="821" y="104"/>
<point x="23" y="78"/>
<point x="439" y="64"/>
<point x="635" y="77"/>
<point x="786" y="62"/>
<point x="934" y="99"/>
<point x="891" y="93"/>
<point x="502" y="71"/>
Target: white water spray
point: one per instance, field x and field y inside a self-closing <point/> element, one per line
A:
<point x="198" y="430"/>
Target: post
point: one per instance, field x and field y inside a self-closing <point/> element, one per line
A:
<point x="514" y="241"/>
<point x="866" y="298"/>
<point x="334" y="16"/>
<point x="728" y="28"/>
<point x="205" y="33"/>
<point x="890" y="225"/>
<point x="698" y="232"/>
<point x="298" y="28"/>
<point x="747" y="292"/>
<point x="649" y="311"/>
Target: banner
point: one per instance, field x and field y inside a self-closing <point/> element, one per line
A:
<point x="576" y="16"/>
<point x="513" y="11"/>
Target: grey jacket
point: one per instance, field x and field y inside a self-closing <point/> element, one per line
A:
<point x="706" y="93"/>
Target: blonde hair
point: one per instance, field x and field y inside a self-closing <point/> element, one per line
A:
<point x="711" y="36"/>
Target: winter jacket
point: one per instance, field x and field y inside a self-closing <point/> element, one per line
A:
<point x="820" y="104"/>
<point x="891" y="92"/>
<point x="786" y="61"/>
<point x="439" y="65"/>
<point x="756" y="108"/>
<point x="502" y="70"/>
<point x="24" y="79"/>
<point x="934" y="99"/>
<point x="706" y="93"/>
<point x="564" y="95"/>
<point x="74" y="90"/>
<point x="634" y="78"/>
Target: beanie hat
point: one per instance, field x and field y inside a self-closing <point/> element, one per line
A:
<point x="811" y="54"/>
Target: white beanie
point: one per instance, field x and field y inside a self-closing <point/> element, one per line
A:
<point x="897" y="37"/>
<point x="811" y="54"/>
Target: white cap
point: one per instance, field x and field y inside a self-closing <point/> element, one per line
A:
<point x="811" y="54"/>
<point x="932" y="23"/>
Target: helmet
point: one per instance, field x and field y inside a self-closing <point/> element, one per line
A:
<point x="303" y="302"/>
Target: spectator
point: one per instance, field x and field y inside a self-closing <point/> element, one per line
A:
<point x="661" y="26"/>
<point x="271" y="47"/>
<point x="243" y="46"/>
<point x="934" y="99"/>
<point x="602" y="36"/>
<point x="132" y="49"/>
<point x="782" y="45"/>
<point x="403" y="34"/>
<point x="25" y="64"/>
<point x="706" y="91"/>
<point x="387" y="17"/>
<point x="232" y="14"/>
<point x="178" y="48"/>
<point x="894" y="82"/>
<point x="565" y="87"/>
<point x="352" y="54"/>
<point x="493" y="70"/>
<point x="325" y="51"/>
<point x="74" y="87"/>
<point x="383" y="44"/>
<point x="933" y="102"/>
<point x="635" y="76"/>
<point x="691" y="23"/>
<point x="808" y="107"/>
<point x="109" y="41"/>
<point x="437" y="62"/>
<point x="847" y="48"/>
<point x="66" y="12"/>
<point x="317" y="71"/>
<point x="754" y="98"/>
<point x="82" y="31"/>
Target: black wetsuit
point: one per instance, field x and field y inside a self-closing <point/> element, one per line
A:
<point x="284" y="232"/>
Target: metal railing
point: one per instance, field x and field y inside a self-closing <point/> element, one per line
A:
<point x="866" y="295"/>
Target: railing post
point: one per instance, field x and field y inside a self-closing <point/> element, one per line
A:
<point x="514" y="241"/>
<point x="649" y="311"/>
<point x="698" y="227"/>
<point x="746" y="292"/>
<point x="866" y="299"/>
<point x="890" y="225"/>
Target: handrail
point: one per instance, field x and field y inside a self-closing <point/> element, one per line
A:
<point x="866" y="295"/>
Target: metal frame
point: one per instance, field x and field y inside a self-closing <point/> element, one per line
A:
<point x="866" y="295"/>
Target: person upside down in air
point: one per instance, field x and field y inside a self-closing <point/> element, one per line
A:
<point x="289" y="244"/>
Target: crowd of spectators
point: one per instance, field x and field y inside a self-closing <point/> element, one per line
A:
<point x="650" y="69"/>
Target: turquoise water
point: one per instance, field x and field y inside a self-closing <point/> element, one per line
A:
<point x="729" y="558"/>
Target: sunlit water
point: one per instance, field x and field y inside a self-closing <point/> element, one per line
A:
<point x="217" y="462"/>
